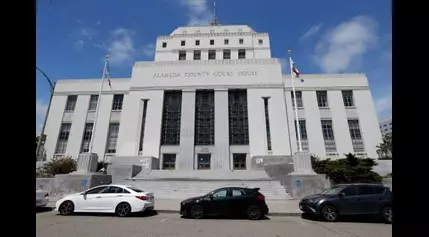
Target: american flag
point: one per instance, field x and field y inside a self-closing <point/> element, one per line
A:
<point x="107" y="74"/>
<point x="295" y="70"/>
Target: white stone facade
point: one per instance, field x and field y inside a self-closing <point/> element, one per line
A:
<point x="258" y="75"/>
<point x="386" y="127"/>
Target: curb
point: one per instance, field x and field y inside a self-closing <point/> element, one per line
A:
<point x="269" y="214"/>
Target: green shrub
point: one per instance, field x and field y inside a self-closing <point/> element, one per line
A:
<point x="56" y="166"/>
<point x="102" y="164"/>
<point x="347" y="170"/>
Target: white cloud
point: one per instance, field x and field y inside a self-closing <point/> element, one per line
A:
<point x="149" y="50"/>
<point x="346" y="44"/>
<point x="383" y="105"/>
<point x="312" y="31"/>
<point x="121" y="46"/>
<point x="41" y="109"/>
<point x="198" y="12"/>
<point x="78" y="44"/>
<point x="88" y="33"/>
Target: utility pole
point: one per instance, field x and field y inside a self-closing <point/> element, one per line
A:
<point x="42" y="135"/>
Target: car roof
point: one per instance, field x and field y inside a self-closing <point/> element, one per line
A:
<point x="367" y="184"/>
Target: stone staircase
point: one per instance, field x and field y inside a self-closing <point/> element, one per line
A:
<point x="176" y="184"/>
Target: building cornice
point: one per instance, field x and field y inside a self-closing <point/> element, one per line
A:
<point x="62" y="93"/>
<point x="254" y="34"/>
<point x="248" y="86"/>
<point x="230" y="47"/>
<point x="327" y="75"/>
<point x="258" y="61"/>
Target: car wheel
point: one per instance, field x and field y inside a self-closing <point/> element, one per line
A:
<point x="387" y="214"/>
<point x="329" y="213"/>
<point x="66" y="208"/>
<point x="123" y="209"/>
<point x="254" y="213"/>
<point x="196" y="212"/>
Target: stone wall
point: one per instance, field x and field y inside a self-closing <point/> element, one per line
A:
<point x="383" y="167"/>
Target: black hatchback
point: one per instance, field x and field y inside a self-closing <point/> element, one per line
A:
<point x="350" y="199"/>
<point x="226" y="201"/>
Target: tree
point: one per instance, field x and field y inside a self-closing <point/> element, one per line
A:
<point x="347" y="170"/>
<point x="384" y="149"/>
<point x="64" y="165"/>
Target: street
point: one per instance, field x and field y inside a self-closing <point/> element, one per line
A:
<point x="49" y="224"/>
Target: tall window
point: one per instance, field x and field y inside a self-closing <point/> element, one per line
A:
<point x="171" y="116"/>
<point x="241" y="54"/>
<point x="197" y="42"/>
<point x="348" y="98"/>
<point x="86" y="139"/>
<point x="63" y="138"/>
<point x="226" y="41"/>
<point x="212" y="54"/>
<point x="322" y="99"/>
<point x="143" y="124"/>
<point x="169" y="161"/>
<point x="303" y="132"/>
<point x="164" y="44"/>
<point x="298" y="99"/>
<point x="238" y="117"/>
<point x="211" y="42"/>
<point x="71" y="103"/>
<point x="204" y="118"/>
<point x="328" y="136"/>
<point x="182" y="43"/>
<point x="112" y="138"/>
<point x="356" y="135"/>
<point x="226" y="54"/>
<point x="197" y="54"/>
<point x="182" y="55"/>
<point x="117" y="102"/>
<point x="93" y="100"/>
<point x="241" y="41"/>
<point x="267" y="122"/>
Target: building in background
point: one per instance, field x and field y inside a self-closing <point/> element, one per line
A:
<point x="386" y="127"/>
<point x="213" y="99"/>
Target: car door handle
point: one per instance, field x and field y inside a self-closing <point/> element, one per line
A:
<point x="119" y="195"/>
<point x="98" y="197"/>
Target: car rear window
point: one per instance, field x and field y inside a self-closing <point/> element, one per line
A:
<point x="136" y="190"/>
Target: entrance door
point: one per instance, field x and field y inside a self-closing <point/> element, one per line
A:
<point x="204" y="161"/>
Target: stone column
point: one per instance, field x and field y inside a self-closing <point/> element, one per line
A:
<point x="86" y="163"/>
<point x="185" y="159"/>
<point x="222" y="156"/>
<point x="302" y="164"/>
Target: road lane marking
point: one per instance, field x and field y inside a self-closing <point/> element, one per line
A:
<point x="163" y="220"/>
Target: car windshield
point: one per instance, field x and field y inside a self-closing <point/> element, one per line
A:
<point x="333" y="191"/>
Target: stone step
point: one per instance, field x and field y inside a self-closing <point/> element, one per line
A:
<point x="180" y="189"/>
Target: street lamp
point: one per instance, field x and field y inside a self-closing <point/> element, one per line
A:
<point x="52" y="85"/>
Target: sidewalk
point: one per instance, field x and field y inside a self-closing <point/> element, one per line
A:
<point x="277" y="207"/>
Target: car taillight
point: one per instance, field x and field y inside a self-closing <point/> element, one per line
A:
<point x="144" y="198"/>
<point x="260" y="197"/>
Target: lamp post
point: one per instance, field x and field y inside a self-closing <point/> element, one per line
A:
<point x="52" y="85"/>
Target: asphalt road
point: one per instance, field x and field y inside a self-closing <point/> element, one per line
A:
<point x="49" y="224"/>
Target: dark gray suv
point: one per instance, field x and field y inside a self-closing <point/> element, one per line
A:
<point x="350" y="199"/>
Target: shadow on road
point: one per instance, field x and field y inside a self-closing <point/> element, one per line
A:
<point x="228" y="218"/>
<point x="43" y="209"/>
<point x="137" y="214"/>
<point x="354" y="219"/>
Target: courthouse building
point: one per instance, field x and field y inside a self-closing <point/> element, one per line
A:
<point x="213" y="98"/>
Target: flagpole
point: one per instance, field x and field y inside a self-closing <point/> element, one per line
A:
<point x="98" y="104"/>
<point x="296" y="105"/>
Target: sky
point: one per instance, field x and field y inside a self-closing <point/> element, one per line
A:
<point x="329" y="36"/>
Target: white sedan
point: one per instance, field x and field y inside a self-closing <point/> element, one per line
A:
<point x="42" y="198"/>
<point x="112" y="198"/>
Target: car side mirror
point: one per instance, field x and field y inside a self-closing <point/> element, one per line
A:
<point x="211" y="196"/>
<point x="83" y="193"/>
<point x="341" y="195"/>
